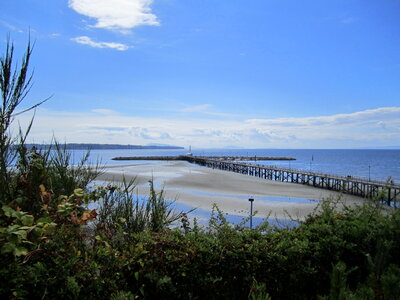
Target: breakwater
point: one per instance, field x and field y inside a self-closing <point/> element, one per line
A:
<point x="147" y="158"/>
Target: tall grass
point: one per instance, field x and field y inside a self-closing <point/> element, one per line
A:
<point x="23" y="171"/>
<point x="123" y="211"/>
<point x="14" y="85"/>
<point x="68" y="174"/>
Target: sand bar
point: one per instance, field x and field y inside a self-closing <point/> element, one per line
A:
<point x="201" y="187"/>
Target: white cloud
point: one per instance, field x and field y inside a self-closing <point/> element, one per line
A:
<point x="85" y="40"/>
<point x="120" y="15"/>
<point x="154" y="134"/>
<point x="376" y="127"/>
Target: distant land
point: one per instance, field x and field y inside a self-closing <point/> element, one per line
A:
<point x="77" y="146"/>
<point x="382" y="148"/>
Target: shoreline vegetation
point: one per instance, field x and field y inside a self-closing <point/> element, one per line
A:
<point x="53" y="246"/>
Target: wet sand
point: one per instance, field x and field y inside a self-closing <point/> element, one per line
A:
<point x="202" y="187"/>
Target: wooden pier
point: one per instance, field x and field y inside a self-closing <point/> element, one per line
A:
<point x="219" y="158"/>
<point x="386" y="192"/>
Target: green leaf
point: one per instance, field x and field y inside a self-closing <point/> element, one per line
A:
<point x="20" y="200"/>
<point x="21" y="233"/>
<point x="141" y="290"/>
<point x="26" y="227"/>
<point x="44" y="220"/>
<point x="62" y="197"/>
<point x="12" y="228"/>
<point x="27" y="243"/>
<point x="27" y="220"/>
<point x="8" y="248"/>
<point x="78" y="192"/>
<point x="18" y="251"/>
<point x="8" y="211"/>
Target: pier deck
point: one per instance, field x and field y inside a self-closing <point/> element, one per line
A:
<point x="386" y="192"/>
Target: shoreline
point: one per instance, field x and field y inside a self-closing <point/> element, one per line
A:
<point x="201" y="187"/>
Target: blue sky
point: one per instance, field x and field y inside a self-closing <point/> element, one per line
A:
<point x="212" y="73"/>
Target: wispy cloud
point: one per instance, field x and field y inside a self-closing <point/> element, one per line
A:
<point x="370" y="115"/>
<point x="375" y="127"/>
<point x="197" y="108"/>
<point x="119" y="15"/>
<point x="348" y="20"/>
<point x="10" y="26"/>
<point x="205" y="109"/>
<point x="104" y="111"/>
<point x="85" y="40"/>
<point x="54" y="35"/>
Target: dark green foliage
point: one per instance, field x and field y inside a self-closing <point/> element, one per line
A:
<point x="335" y="254"/>
<point x="258" y="292"/>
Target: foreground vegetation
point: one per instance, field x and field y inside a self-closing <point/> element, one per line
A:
<point x="53" y="246"/>
<point x="126" y="252"/>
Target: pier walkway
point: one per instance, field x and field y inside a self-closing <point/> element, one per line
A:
<point x="386" y="192"/>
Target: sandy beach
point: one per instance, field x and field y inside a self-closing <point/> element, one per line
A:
<point x="201" y="187"/>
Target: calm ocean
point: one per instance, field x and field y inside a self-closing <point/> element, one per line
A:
<point x="374" y="164"/>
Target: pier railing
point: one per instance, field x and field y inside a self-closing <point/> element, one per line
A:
<point x="386" y="192"/>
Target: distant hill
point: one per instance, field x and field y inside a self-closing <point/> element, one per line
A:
<point x="77" y="146"/>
